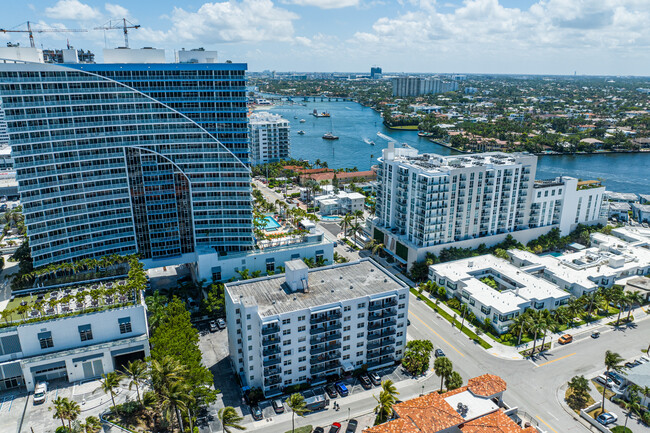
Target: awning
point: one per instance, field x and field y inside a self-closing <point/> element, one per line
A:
<point x="347" y="367"/>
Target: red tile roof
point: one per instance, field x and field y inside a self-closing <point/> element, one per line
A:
<point x="495" y="422"/>
<point x="341" y="175"/>
<point x="486" y="385"/>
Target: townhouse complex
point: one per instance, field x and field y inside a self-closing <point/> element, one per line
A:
<point x="308" y="324"/>
<point x="427" y="202"/>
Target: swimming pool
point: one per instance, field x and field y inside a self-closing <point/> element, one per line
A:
<point x="330" y="218"/>
<point x="271" y="224"/>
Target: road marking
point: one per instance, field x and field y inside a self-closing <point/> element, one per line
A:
<point x="537" y="416"/>
<point x="439" y="336"/>
<point x="555" y="360"/>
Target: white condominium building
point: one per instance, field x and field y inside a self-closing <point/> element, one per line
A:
<point x="269" y="135"/>
<point x="415" y="86"/>
<point x="340" y="203"/>
<point x="429" y="202"/>
<point x="309" y="325"/>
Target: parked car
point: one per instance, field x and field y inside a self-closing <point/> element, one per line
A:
<point x="439" y="353"/>
<point x="213" y="325"/>
<point x="365" y="381"/>
<point x="330" y="389"/>
<point x="319" y="430"/>
<point x="644" y="359"/>
<point x="374" y="378"/>
<point x="335" y="428"/>
<point x="595" y="334"/>
<point x="630" y="364"/>
<point x="257" y="413"/>
<point x="221" y="323"/>
<point x="40" y="393"/>
<point x="342" y="389"/>
<point x="278" y="407"/>
<point x="565" y="339"/>
<point x="352" y="426"/>
<point x="607" y="418"/>
<point x="603" y="380"/>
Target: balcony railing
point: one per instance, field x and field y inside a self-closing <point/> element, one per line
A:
<point x="272" y="381"/>
<point x="270" y="362"/>
<point x="380" y="343"/>
<point x="331" y="365"/>
<point x="326" y="348"/>
<point x="381" y="361"/>
<point x="385" y="333"/>
<point x="274" y="329"/>
<point x="271" y="350"/>
<point x="325" y="357"/>
<point x="271" y="371"/>
<point x="385" y="324"/>
<point x="383" y="314"/>
<point x="321" y="329"/>
<point x="325" y="338"/>
<point x="325" y="317"/>
<point x="374" y="306"/>
<point x="270" y="340"/>
<point x="383" y="351"/>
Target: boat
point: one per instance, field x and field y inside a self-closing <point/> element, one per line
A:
<point x="295" y="117"/>
<point x="372" y="143"/>
<point x="315" y="113"/>
<point x="301" y="132"/>
<point x="330" y="136"/>
<point x="302" y="120"/>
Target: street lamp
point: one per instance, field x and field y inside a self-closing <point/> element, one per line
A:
<point x="348" y="414"/>
<point x="422" y="393"/>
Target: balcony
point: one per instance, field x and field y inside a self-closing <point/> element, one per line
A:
<point x="325" y="338"/>
<point x="273" y="329"/>
<point x="326" y="348"/>
<point x="381" y="361"/>
<point x="374" y="306"/>
<point x="325" y="357"/>
<point x="383" y="314"/>
<point x="272" y="381"/>
<point x="271" y="350"/>
<point x="270" y="362"/>
<point x="380" y="343"/>
<point x="385" y="324"/>
<point x="383" y="351"/>
<point x="325" y="367"/>
<point x="270" y="340"/>
<point x="385" y="333"/>
<point x="321" y="329"/>
<point x="325" y="317"/>
<point x="272" y="371"/>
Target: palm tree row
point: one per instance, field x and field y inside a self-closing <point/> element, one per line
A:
<point x="69" y="410"/>
<point x="67" y="268"/>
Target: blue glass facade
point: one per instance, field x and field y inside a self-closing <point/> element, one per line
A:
<point x="104" y="168"/>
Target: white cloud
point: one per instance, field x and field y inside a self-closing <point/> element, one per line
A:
<point x="117" y="11"/>
<point x="326" y="4"/>
<point x="72" y="10"/>
<point x="227" y="21"/>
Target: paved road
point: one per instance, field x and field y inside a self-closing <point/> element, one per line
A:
<point x="532" y="386"/>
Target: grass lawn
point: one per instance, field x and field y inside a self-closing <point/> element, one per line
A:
<point x="572" y="404"/>
<point x="303" y="429"/>
<point x="599" y="388"/>
<point x="404" y="127"/>
<point x="621" y="429"/>
<point x="538" y="349"/>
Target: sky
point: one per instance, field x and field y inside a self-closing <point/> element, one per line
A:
<point x="590" y="37"/>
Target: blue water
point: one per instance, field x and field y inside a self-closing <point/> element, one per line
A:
<point x="271" y="224"/>
<point x="354" y="123"/>
<point x="331" y="218"/>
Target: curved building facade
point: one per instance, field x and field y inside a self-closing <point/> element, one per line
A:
<point x="104" y="168"/>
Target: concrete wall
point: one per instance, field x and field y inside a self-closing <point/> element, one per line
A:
<point x="590" y="420"/>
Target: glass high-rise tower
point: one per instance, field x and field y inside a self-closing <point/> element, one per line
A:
<point x="126" y="158"/>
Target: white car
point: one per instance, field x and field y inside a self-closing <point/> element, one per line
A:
<point x="40" y="392"/>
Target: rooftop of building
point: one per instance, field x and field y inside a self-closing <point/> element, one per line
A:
<point x="341" y="195"/>
<point x="641" y="207"/>
<point x="326" y="285"/>
<point x="262" y="117"/>
<point x="341" y="175"/>
<point x="521" y="289"/>
<point x="639" y="375"/>
<point x="625" y="196"/>
<point x="472" y="409"/>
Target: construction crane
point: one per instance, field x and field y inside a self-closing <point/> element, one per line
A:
<point x="120" y="25"/>
<point x="31" y="32"/>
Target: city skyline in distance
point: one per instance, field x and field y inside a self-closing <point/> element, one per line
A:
<point x="557" y="37"/>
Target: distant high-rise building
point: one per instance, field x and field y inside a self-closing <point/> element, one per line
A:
<point x="375" y="72"/>
<point x="416" y="86"/>
<point x="114" y="158"/>
<point x="269" y="137"/>
<point x="69" y="55"/>
<point x="196" y="55"/>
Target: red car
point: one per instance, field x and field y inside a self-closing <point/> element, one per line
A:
<point x="336" y="427"/>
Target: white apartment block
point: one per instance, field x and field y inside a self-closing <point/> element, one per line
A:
<point x="610" y="260"/>
<point x="416" y="86"/>
<point x="517" y="290"/>
<point x="310" y="325"/>
<point x="71" y="348"/>
<point x="269" y="135"/>
<point x="340" y="203"/>
<point x="429" y="202"/>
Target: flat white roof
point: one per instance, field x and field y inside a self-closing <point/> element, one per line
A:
<point x="473" y="406"/>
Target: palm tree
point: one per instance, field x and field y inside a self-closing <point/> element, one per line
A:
<point x="108" y="383"/>
<point x="520" y="322"/>
<point x="345" y="223"/>
<point x="593" y="299"/>
<point x="633" y="299"/>
<point x="454" y="381"/>
<point x="358" y="214"/>
<point x="443" y="368"/>
<point x="579" y="387"/>
<point x="59" y="405"/>
<point x="230" y="419"/>
<point x="388" y="387"/>
<point x="547" y="324"/>
<point x="165" y="372"/>
<point x="374" y="246"/>
<point x="613" y="361"/>
<point x="384" y="406"/>
<point x="355" y="228"/>
<point x="296" y="403"/>
<point x="535" y="325"/>
<point x="174" y="400"/>
<point x="72" y="411"/>
<point x="632" y="405"/>
<point x="136" y="372"/>
<point x="92" y="425"/>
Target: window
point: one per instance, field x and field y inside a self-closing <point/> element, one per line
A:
<point x="287" y="362"/>
<point x="346" y="357"/>
<point x="250" y="338"/>
<point x="285" y="331"/>
<point x="287" y="352"/>
<point x="360" y="334"/>
<point x="399" y="334"/>
<point x="302" y="349"/>
<point x="45" y="338"/>
<point x="248" y="327"/>
<point x="125" y="325"/>
<point x="286" y="321"/>
<point x="302" y="359"/>
<point x="360" y="325"/>
<point x="302" y="378"/>
<point x="301" y="318"/>
<point x="402" y="296"/>
<point x="248" y="317"/>
<point x="361" y="305"/>
<point x="347" y="308"/>
<point x="347" y="318"/>
<point x="85" y="333"/>
<point x="361" y="315"/>
<point x="346" y="338"/>
<point x="360" y="353"/>
<point x="287" y="372"/>
<point x="360" y="344"/>
<point x="252" y="378"/>
<point x="346" y="328"/>
<point x="287" y="382"/>
<point x="347" y="347"/>
<point x="401" y="306"/>
<point x="400" y="316"/>
<point x="302" y="368"/>
<point x="301" y="339"/>
<point x="250" y="358"/>
<point x="286" y="342"/>
<point x="250" y="348"/>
